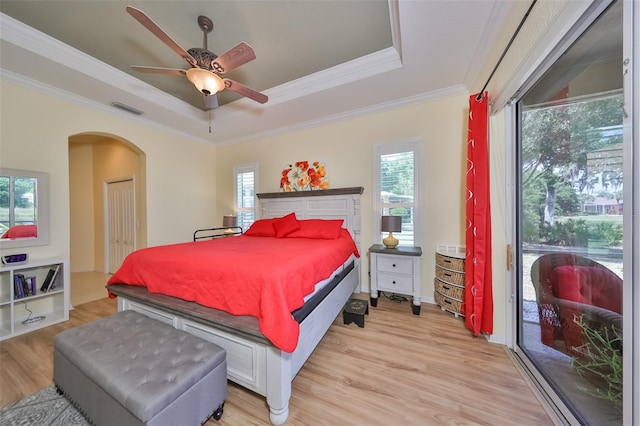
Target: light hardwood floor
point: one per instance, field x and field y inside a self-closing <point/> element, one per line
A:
<point x="399" y="369"/>
<point x="87" y="287"/>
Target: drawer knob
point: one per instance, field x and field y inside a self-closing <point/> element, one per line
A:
<point x="394" y="265"/>
<point x="393" y="282"/>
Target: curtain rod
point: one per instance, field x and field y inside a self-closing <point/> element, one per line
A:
<point x="504" y="52"/>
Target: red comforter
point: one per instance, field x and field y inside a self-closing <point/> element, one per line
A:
<point x="265" y="277"/>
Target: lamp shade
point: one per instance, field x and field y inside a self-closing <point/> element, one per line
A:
<point x="229" y="221"/>
<point x="205" y="81"/>
<point x="391" y="224"/>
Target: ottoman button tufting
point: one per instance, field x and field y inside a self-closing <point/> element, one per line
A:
<point x="131" y="369"/>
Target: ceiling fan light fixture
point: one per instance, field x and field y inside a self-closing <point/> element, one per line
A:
<point x="205" y="81"/>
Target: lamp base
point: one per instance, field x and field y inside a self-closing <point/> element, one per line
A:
<point x="391" y="241"/>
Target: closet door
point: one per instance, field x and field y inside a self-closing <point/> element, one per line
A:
<point x="120" y="222"/>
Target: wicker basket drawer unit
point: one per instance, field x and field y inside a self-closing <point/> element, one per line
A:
<point x="450" y="278"/>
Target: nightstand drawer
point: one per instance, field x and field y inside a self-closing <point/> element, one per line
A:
<point x="395" y="264"/>
<point x="395" y="283"/>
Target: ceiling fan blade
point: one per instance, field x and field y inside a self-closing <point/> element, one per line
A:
<point x="149" y="24"/>
<point x="157" y="70"/>
<point x="233" y="58"/>
<point x="210" y="102"/>
<point x="245" y="91"/>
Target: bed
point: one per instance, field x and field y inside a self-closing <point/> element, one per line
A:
<point x="254" y="360"/>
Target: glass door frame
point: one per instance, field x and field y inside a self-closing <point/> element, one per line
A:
<point x="631" y="256"/>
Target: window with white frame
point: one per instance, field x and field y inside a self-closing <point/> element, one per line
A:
<point x="396" y="185"/>
<point x="246" y="182"/>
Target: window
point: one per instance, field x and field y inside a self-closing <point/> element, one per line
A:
<point x="245" y="193"/>
<point x="17" y="201"/>
<point x="396" y="183"/>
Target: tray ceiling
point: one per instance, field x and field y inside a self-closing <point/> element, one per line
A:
<point x="316" y="60"/>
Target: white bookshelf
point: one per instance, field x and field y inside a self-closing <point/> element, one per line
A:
<point x="52" y="305"/>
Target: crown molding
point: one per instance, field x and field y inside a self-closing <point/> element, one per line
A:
<point x="447" y="92"/>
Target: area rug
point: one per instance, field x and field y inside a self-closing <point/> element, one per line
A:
<point x="44" y="408"/>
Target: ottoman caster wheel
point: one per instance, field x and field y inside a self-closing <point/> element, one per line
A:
<point x="217" y="415"/>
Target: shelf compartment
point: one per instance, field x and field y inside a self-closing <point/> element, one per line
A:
<point x="53" y="305"/>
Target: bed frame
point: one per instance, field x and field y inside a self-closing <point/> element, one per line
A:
<point x="253" y="362"/>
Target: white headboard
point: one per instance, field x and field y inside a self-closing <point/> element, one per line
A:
<point x="341" y="203"/>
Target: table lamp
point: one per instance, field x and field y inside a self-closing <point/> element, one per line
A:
<point x="229" y="221"/>
<point x="391" y="224"/>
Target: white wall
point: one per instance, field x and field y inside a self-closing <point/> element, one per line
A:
<point x="184" y="192"/>
<point x="347" y="149"/>
<point x="34" y="135"/>
<point x="81" y="212"/>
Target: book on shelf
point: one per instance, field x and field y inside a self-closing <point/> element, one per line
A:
<point x="31" y="282"/>
<point x="18" y="289"/>
<point x="21" y="287"/>
<point x="49" y="281"/>
<point x="25" y="285"/>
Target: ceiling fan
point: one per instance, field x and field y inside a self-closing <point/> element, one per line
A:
<point x="207" y="68"/>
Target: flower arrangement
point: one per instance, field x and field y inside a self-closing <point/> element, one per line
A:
<point x="302" y="176"/>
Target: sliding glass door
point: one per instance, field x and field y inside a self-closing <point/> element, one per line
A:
<point x="571" y="173"/>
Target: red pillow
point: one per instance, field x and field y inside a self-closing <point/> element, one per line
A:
<point x="262" y="228"/>
<point x="286" y="225"/>
<point x="590" y="285"/>
<point x="21" y="231"/>
<point x="323" y="229"/>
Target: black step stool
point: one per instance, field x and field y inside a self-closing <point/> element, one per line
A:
<point x="354" y="311"/>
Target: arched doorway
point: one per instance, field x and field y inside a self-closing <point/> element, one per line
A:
<point x="95" y="160"/>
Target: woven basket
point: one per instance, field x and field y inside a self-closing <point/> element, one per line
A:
<point x="448" y="262"/>
<point x="451" y="277"/>
<point x="449" y="290"/>
<point x="447" y="304"/>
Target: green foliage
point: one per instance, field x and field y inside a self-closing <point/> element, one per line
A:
<point x="402" y="212"/>
<point x="397" y="173"/>
<point x="22" y="188"/>
<point x="567" y="202"/>
<point x="573" y="232"/>
<point x="4" y="191"/>
<point x="556" y="139"/>
<point x="555" y="143"/>
<point x="602" y="361"/>
<point x="610" y="232"/>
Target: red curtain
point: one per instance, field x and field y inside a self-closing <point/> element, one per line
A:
<point x="478" y="297"/>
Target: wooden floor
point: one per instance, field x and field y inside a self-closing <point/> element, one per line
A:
<point x="399" y="369"/>
<point x="87" y="287"/>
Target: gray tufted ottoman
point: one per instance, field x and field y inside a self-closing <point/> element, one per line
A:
<point x="128" y="369"/>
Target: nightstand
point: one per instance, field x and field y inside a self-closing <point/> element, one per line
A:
<point x="397" y="271"/>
